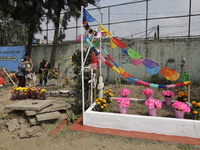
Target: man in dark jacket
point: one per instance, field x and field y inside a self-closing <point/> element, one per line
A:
<point x="43" y="70"/>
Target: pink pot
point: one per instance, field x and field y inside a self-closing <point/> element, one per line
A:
<point x="122" y="110"/>
<point x="179" y="114"/>
<point x="149" y="97"/>
<point x="152" y="112"/>
<point x="168" y="100"/>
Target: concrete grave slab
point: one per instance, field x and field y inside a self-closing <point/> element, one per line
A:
<point x="29" y="105"/>
<point x="1" y="107"/>
<point x="48" y="116"/>
<point x="56" y="106"/>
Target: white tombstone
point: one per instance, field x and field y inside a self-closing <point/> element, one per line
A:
<point x="100" y="86"/>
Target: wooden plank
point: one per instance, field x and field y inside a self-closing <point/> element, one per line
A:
<point x="29" y="105"/>
<point x="48" y="116"/>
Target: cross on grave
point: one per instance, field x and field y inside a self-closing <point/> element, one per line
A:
<point x="100" y="86"/>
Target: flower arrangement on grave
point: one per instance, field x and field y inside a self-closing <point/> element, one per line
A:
<point x="147" y="92"/>
<point x="55" y="73"/>
<point x="67" y="80"/>
<point x="101" y="104"/>
<point x="182" y="97"/>
<point x="42" y="94"/>
<point x="125" y="92"/>
<point x="13" y="77"/>
<point x="123" y="102"/>
<point x="107" y="95"/>
<point x="167" y="94"/>
<point x="181" y="106"/>
<point x="153" y="104"/>
<point x="19" y="93"/>
<point x="34" y="93"/>
<point x="196" y="110"/>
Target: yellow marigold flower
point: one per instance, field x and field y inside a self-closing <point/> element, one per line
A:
<point x="98" y="103"/>
<point x="102" y="107"/>
<point x="99" y="98"/>
<point x="198" y="104"/>
<point x="104" y="92"/>
<point x="195" y="112"/>
<point x="96" y="100"/>
<point x="70" y="57"/>
<point x="70" y="63"/>
<point x="112" y="95"/>
<point x="105" y="96"/>
<point x="185" y="99"/>
<point x="53" y="70"/>
<point x="179" y="95"/>
<point x="111" y="100"/>
<point x="61" y="55"/>
<point x="104" y="101"/>
<point x="194" y="103"/>
<point x="106" y="108"/>
<point x="110" y="90"/>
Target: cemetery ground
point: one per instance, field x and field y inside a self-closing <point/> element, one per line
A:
<point x="73" y="140"/>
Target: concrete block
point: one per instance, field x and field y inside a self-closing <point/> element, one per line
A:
<point x="48" y="116"/>
<point x="33" y="121"/>
<point x="32" y="130"/>
<point x="63" y="116"/>
<point x="29" y="105"/>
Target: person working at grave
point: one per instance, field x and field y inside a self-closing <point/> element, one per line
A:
<point x="43" y="71"/>
<point x="21" y="72"/>
<point x="30" y="66"/>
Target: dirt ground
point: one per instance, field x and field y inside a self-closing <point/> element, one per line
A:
<point x="76" y="140"/>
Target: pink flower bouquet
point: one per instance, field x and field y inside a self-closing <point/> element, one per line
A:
<point x="147" y="92"/>
<point x="153" y="103"/>
<point x="123" y="102"/>
<point x="167" y="94"/>
<point x="181" y="106"/>
<point x="125" y="92"/>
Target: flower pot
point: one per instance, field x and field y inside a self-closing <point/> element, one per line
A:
<point x="168" y="100"/>
<point x="149" y="96"/>
<point x="152" y="112"/>
<point x="122" y="110"/>
<point x="179" y="114"/>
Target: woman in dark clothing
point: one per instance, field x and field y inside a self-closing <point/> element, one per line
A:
<point x="44" y="65"/>
<point x="21" y="72"/>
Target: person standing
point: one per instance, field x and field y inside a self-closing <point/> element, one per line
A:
<point x="44" y="73"/>
<point x="29" y="66"/>
<point x="21" y="72"/>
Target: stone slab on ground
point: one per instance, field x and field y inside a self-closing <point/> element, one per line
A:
<point x="32" y="130"/>
<point x="23" y="124"/>
<point x="54" y="107"/>
<point x="29" y="105"/>
<point x="3" y="124"/>
<point x="48" y="116"/>
<point x="22" y="134"/>
<point x="12" y="125"/>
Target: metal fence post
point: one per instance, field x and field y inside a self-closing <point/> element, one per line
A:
<point x="146" y="17"/>
<point x="109" y="18"/>
<point x="189" y="19"/>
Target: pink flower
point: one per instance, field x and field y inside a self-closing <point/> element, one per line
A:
<point x="125" y="92"/>
<point x="181" y="106"/>
<point x="123" y="102"/>
<point x="147" y="92"/>
<point x="153" y="103"/>
<point x="167" y="93"/>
